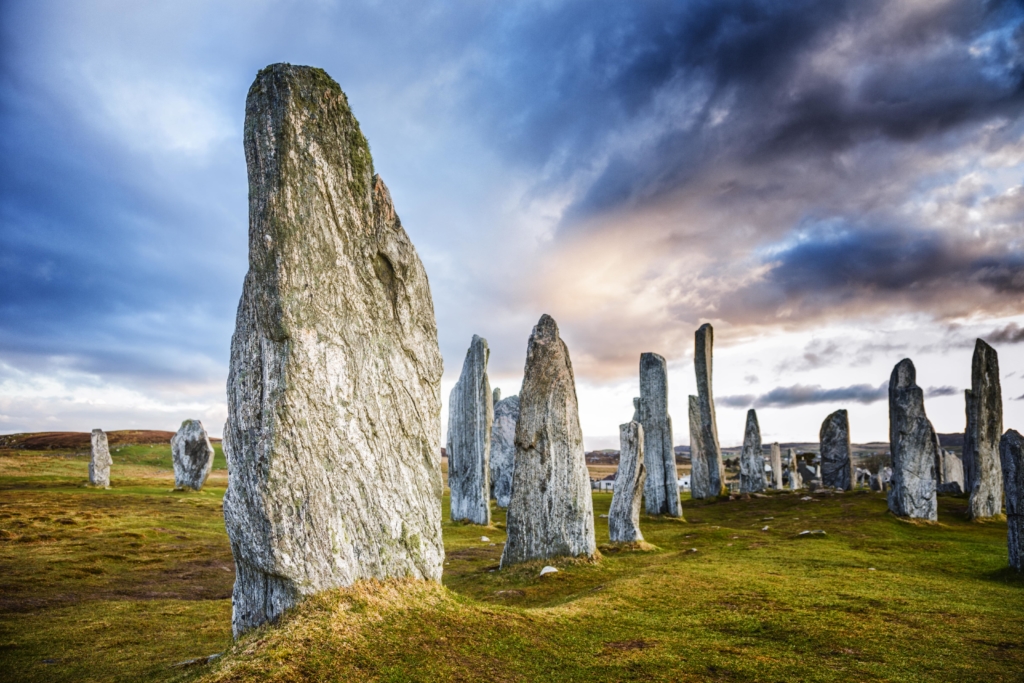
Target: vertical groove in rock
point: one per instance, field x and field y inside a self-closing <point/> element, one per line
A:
<point x="661" y="490"/>
<point x="551" y="512"/>
<point x="192" y="455"/>
<point x="752" y="456"/>
<point x="702" y="361"/>
<point x="834" y="438"/>
<point x="624" y="513"/>
<point x="776" y="459"/>
<point x="985" y="426"/>
<point x="470" y="416"/>
<point x="335" y="375"/>
<point x="503" y="449"/>
<point x="1011" y="454"/>
<point x="913" y="444"/>
<point x="100" y="460"/>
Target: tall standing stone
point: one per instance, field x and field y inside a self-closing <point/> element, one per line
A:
<point x="985" y="426"/>
<point x="624" y="514"/>
<point x="776" y="459"/>
<point x="710" y="486"/>
<point x="192" y="456"/>
<point x="661" y="491"/>
<point x="551" y="513"/>
<point x="100" y="460"/>
<point x="836" y="465"/>
<point x="751" y="457"/>
<point x="1011" y="453"/>
<point x="470" y="416"/>
<point x="914" y="446"/>
<point x="334" y="385"/>
<point x="698" y="454"/>
<point x="795" y="480"/>
<point x="503" y="449"/>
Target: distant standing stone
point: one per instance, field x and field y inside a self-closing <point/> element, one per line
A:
<point x="192" y="455"/>
<point x="950" y="471"/>
<point x="795" y="480"/>
<point x="984" y="430"/>
<point x="636" y="409"/>
<point x="1011" y="453"/>
<point x="100" y="460"/>
<point x="470" y="416"/>
<point x="776" y="460"/>
<point x="752" y="457"/>
<point x="661" y="492"/>
<point x="624" y="514"/>
<point x="836" y="466"/>
<point x="713" y="477"/>
<point x="503" y="449"/>
<point x="551" y="513"/>
<point x="914" y="447"/>
<point x="495" y="396"/>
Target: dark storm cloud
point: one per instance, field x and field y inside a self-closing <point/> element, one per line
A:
<point x="802" y="394"/>
<point x="1010" y="334"/>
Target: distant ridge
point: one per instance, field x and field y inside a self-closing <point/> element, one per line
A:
<point x="48" y="441"/>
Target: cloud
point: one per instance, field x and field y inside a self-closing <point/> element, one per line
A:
<point x="802" y="394"/>
<point x="1010" y="334"/>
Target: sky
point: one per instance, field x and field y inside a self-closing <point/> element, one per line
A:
<point x="834" y="185"/>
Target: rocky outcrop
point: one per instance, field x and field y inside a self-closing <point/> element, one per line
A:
<point x="334" y="385"/>
<point x="100" y="460"/>
<point x="661" y="492"/>
<point x="752" y="457"/>
<point x="984" y="430"/>
<point x="624" y="514"/>
<point x="470" y="416"/>
<point x="551" y="513"/>
<point x="1011" y="453"/>
<point x="776" y="462"/>
<point x="710" y="486"/>
<point x="503" y="449"/>
<point x="914" y="447"/>
<point x="795" y="480"/>
<point x="836" y="466"/>
<point x="192" y="454"/>
<point x="950" y="473"/>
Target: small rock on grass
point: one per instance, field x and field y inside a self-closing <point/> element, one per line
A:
<point x="816" y="532"/>
<point x="484" y="539"/>
<point x="548" y="570"/>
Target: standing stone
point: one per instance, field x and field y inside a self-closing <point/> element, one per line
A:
<point x="751" y="457"/>
<point x="985" y="425"/>
<point x="636" y="409"/>
<point x="1011" y="453"/>
<point x="661" y="491"/>
<point x="807" y="474"/>
<point x="914" y="444"/>
<point x="776" y="458"/>
<point x="503" y="449"/>
<point x="795" y="480"/>
<point x="970" y="433"/>
<point x="495" y="396"/>
<point x="624" y="514"/>
<point x="711" y="485"/>
<point x="950" y="471"/>
<point x="698" y="454"/>
<point x="192" y="455"/>
<point x="551" y="513"/>
<point x="470" y="416"/>
<point x="334" y="385"/>
<point x="836" y="466"/>
<point x="100" y="462"/>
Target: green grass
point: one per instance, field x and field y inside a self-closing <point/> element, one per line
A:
<point x="137" y="583"/>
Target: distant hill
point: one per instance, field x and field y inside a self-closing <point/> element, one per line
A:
<point x="951" y="440"/>
<point x="48" y="441"/>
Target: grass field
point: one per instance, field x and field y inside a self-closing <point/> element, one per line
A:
<point x="125" y="583"/>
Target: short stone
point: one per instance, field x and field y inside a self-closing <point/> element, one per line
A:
<point x="100" y="460"/>
<point x="624" y="514"/>
<point x="192" y="454"/>
<point x="751" y="457"/>
<point x="503" y="449"/>
<point x="548" y="570"/>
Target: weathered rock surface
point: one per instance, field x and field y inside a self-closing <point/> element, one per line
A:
<point x="551" y="513"/>
<point x="100" y="460"/>
<point x="752" y="457"/>
<point x="661" y="493"/>
<point x="950" y="471"/>
<point x="192" y="455"/>
<point x="985" y="428"/>
<point x="970" y="434"/>
<point x="711" y="485"/>
<point x="624" y="513"/>
<point x="470" y="416"/>
<point x="1011" y="453"/>
<point x="836" y="466"/>
<point x="334" y="386"/>
<point x="698" y="454"/>
<point x="795" y="479"/>
<point x="636" y="409"/>
<point x="776" y="462"/>
<point x="503" y="449"/>
<point x="914" y="447"/>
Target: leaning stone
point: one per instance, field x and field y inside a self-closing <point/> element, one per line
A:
<point x="914" y="444"/>
<point x="192" y="455"/>
<point x="795" y="480"/>
<point x="503" y="449"/>
<point x="1011" y="453"/>
<point x="751" y="457"/>
<point x="985" y="425"/>
<point x="661" y="492"/>
<point x="836" y="467"/>
<point x="551" y="512"/>
<point x="334" y="385"/>
<point x="100" y="460"/>
<point x="776" y="459"/>
<point x="470" y="416"/>
<point x="624" y="514"/>
<point x="714" y="482"/>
